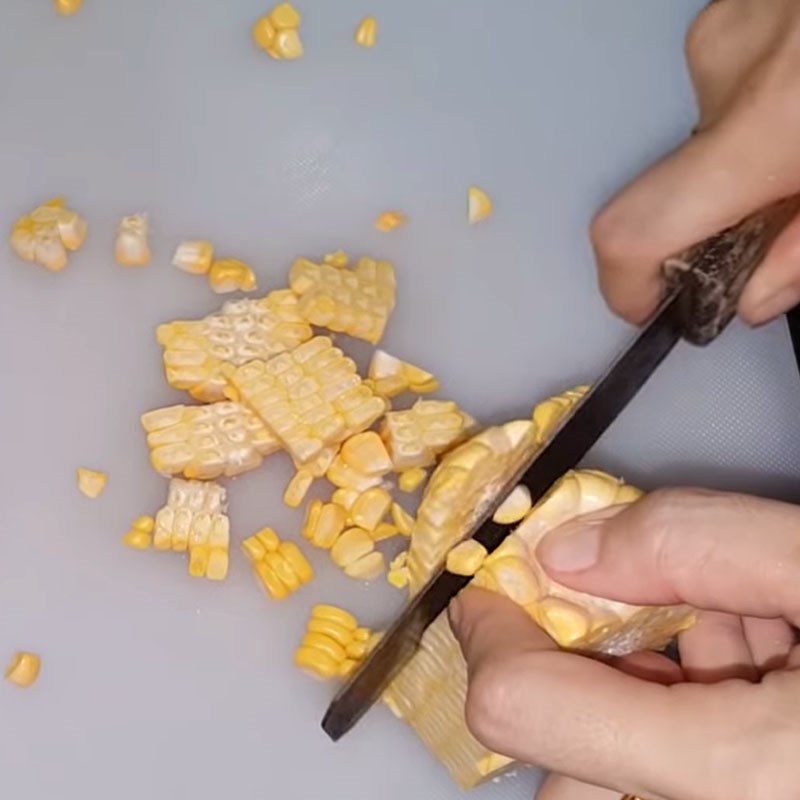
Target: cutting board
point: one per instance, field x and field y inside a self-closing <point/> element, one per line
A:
<point x="161" y="686"/>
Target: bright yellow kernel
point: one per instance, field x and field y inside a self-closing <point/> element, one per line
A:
<point x="337" y="615"/>
<point x="345" y="498"/>
<point x="350" y="546"/>
<point x="341" y="474"/>
<point x="23" y="669"/>
<point x="293" y="556"/>
<point x="466" y="558"/>
<point x="347" y="668"/>
<point x="287" y="45"/>
<point x="361" y="634"/>
<point x="331" y="522"/>
<point x="398" y="577"/>
<point x="269" y="539"/>
<point x="283" y="570"/>
<point x="389" y="220"/>
<point x="411" y="479"/>
<point x="331" y="629"/>
<point x="263" y="32"/>
<point x="367" y="567"/>
<point x="370" y="508"/>
<point x="194" y="256"/>
<point x="337" y="259"/>
<point x="253" y="549"/>
<point x="131" y="248"/>
<point x="312" y="518"/>
<point x="91" y="482"/>
<point x="479" y="205"/>
<point x="231" y="275"/>
<point x="274" y="586"/>
<point x="325" y="644"/>
<point x="367" y="32"/>
<point x="384" y="530"/>
<point x="316" y="662"/>
<point x="285" y="16"/>
<point x="356" y="650"/>
<point x="366" y="453"/>
<point x="515" y="507"/>
<point x="402" y="519"/>
<point x="140" y="535"/>
<point x="298" y="488"/>
<point x="66" y="8"/>
<point x="218" y="562"/>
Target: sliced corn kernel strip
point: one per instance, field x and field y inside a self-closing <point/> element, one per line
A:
<point x="91" y="482"/>
<point x="402" y="519"/>
<point x="194" y="256"/>
<point x="411" y="479"/>
<point x="350" y="546"/>
<point x="515" y="507"/>
<point x="479" y="205"/>
<point x="23" y="669"/>
<point x="332" y="645"/>
<point x="231" y="275"/>
<point x="45" y="235"/>
<point x="337" y="259"/>
<point x="389" y="220"/>
<point x="353" y="301"/>
<point x="194" y="350"/>
<point x="311" y="397"/>
<point x="367" y="32"/>
<point x="140" y="535"/>
<point x="366" y="453"/>
<point x="390" y="376"/>
<point x="297" y="488"/>
<point x="414" y="438"/>
<point x="205" y="442"/>
<point x="131" y="248"/>
<point x="339" y="616"/>
<point x="384" y="530"/>
<point x="366" y="568"/>
<point x="370" y="508"/>
<point x="66" y="8"/>
<point x="548" y="414"/>
<point x="316" y="662"/>
<point x="324" y="523"/>
<point x="466" y="558"/>
<point x="280" y="567"/>
<point x="345" y="498"/>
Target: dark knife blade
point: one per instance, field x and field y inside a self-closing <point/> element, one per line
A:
<point x="568" y="445"/>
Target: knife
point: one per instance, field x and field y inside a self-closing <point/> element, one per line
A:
<point x="703" y="288"/>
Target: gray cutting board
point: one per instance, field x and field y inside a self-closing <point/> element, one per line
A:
<point x="160" y="686"/>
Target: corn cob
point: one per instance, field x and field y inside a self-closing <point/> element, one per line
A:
<point x="414" y="438"/>
<point x="390" y="376"/>
<point x="430" y="693"/>
<point x="207" y="441"/>
<point x="333" y="645"/>
<point x="353" y="301"/>
<point x="194" y="519"/>
<point x="242" y="330"/>
<point x="311" y="397"/>
<point x="280" y="567"/>
<point x="47" y="233"/>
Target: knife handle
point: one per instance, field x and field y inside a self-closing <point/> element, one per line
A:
<point x="712" y="275"/>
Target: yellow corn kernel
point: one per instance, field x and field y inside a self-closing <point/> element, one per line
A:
<point x="390" y="376"/>
<point x="479" y="205"/>
<point x="131" y="248"/>
<point x="325" y="644"/>
<point x="361" y="634"/>
<point x="338" y="615"/>
<point x="23" y="669"/>
<point x="367" y="32"/>
<point x="345" y="498"/>
<point x="324" y="523"/>
<point x="66" y="8"/>
<point x="466" y="558"/>
<point x="207" y="441"/>
<point x="356" y="650"/>
<point x="398" y="571"/>
<point x="91" y="482"/>
<point x="287" y="45"/>
<point x="399" y="561"/>
<point x="411" y="479"/>
<point x="293" y="556"/>
<point x="564" y="621"/>
<point x="370" y="508"/>
<point x="337" y="259"/>
<point x="194" y="256"/>
<point x="285" y="16"/>
<point x="384" y="530"/>
<point x="366" y="453"/>
<point x="273" y="585"/>
<point x="45" y="235"/>
<point x="366" y="568"/>
<point x="280" y="566"/>
<point x="389" y="220"/>
<point x="333" y="630"/>
<point x="547" y="414"/>
<point x="515" y="507"/>
<point x="344" y="476"/>
<point x="231" y="275"/>
<point x="313" y="512"/>
<point x="298" y="488"/>
<point x="402" y="519"/>
<point x="140" y="535"/>
<point x="316" y="662"/>
<point x="332" y="644"/>
<point x="257" y="546"/>
<point x="347" y="668"/>
<point x="350" y="546"/>
<point x="627" y="494"/>
<point x="283" y="570"/>
<point x="353" y="301"/>
<point x="263" y="33"/>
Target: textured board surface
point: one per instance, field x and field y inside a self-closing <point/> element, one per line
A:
<point x="160" y="686"/>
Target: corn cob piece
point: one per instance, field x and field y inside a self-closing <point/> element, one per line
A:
<point x="242" y="330"/>
<point x="333" y="644"/>
<point x="91" y="482"/>
<point x="414" y="438"/>
<point x="390" y="376"/>
<point x="47" y="233"/>
<point x="311" y="398"/>
<point x="548" y="414"/>
<point x="353" y="301"/>
<point x="194" y="519"/>
<point x="205" y="442"/>
<point x="23" y="669"/>
<point x="131" y="248"/>
<point x="430" y="693"/>
<point x="280" y="567"/>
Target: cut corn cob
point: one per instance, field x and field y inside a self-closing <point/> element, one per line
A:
<point x="23" y="669"/>
<point x="91" y="482"/>
<point x="131" y="248"/>
<point x="207" y="441"/>
<point x="389" y="220"/>
<point x="66" y="8"/>
<point x="280" y="567"/>
<point x="333" y="645"/>
<point x="242" y="330"/>
<point x="45" y="235"/>
<point x="231" y="275"/>
<point x="515" y="507"/>
<point x="430" y="693"/>
<point x="311" y="397"/>
<point x="367" y="32"/>
<point x="414" y="438"/>
<point x="390" y="376"/>
<point x="411" y="479"/>
<point x="194" y="256"/>
<point x="479" y="205"/>
<point x="353" y="301"/>
<point x="466" y="558"/>
<point x="548" y="414"/>
<point x="194" y="519"/>
<point x="140" y="535"/>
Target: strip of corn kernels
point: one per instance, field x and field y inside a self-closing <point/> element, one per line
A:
<point x="280" y="567"/>
<point x="548" y="414"/>
<point x="333" y="644"/>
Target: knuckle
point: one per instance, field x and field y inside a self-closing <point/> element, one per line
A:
<point x="486" y="709"/>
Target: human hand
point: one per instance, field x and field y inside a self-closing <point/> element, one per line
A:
<point x="724" y="725"/>
<point x="744" y="60"/>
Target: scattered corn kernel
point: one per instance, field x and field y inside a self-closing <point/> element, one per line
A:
<point x="91" y="482"/>
<point x="263" y="32"/>
<point x="398" y="571"/>
<point x="390" y="376"/>
<point x="194" y="256"/>
<point x="515" y="507"/>
<point x="411" y="479"/>
<point x="479" y="205"/>
<point x="370" y="508"/>
<point x="466" y="558"/>
<point x="287" y="45"/>
<point x="298" y="488"/>
<point x="257" y="546"/>
<point x="350" y="546"/>
<point x="324" y="523"/>
<point x="345" y="498"/>
<point x="402" y="519"/>
<point x="366" y="568"/>
<point x="367" y="32"/>
<point x="344" y="476"/>
<point x="45" y="235"/>
<point x="332" y="645"/>
<point x="23" y="669"/>
<point x="338" y="259"/>
<point x="366" y="453"/>
<point x="66" y="8"/>
<point x="389" y="220"/>
<point x="384" y="530"/>
<point x="231" y="275"/>
<point x="140" y="535"/>
<point x="131" y="248"/>
<point x="285" y="16"/>
<point x="280" y="566"/>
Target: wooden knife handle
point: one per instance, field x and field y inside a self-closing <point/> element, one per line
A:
<point x="712" y="275"/>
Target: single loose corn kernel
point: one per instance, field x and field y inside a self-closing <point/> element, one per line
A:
<point x="324" y="523"/>
<point x="411" y="479"/>
<point x="390" y="376"/>
<point x="350" y="546"/>
<point x="345" y="498"/>
<point x="515" y="507"/>
<point x="341" y="474"/>
<point x="285" y="16"/>
<point x="194" y="256"/>
<point x="66" y="8"/>
<point x="366" y="568"/>
<point x="398" y="571"/>
<point x="231" y="275"/>
<point x="298" y="488"/>
<point x="479" y="205"/>
<point x="91" y="482"/>
<point x="131" y="248"/>
<point x="140" y="535"/>
<point x="367" y="32"/>
<point x="384" y="530"/>
<point x="402" y="519"/>
<point x="287" y="45"/>
<point x="370" y="508"/>
<point x="366" y="453"/>
<point x="263" y="32"/>
<point x="23" y="669"/>
<point x="389" y="220"/>
<point x="338" y="259"/>
<point x="466" y="558"/>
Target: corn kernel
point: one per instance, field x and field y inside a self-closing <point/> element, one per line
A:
<point x="337" y="615"/>
<point x="140" y="535"/>
<point x="333" y="630"/>
<point x="466" y="558"/>
<point x="350" y="546"/>
<point x="324" y="523"/>
<point x="411" y="479"/>
<point x="384" y="530"/>
<point x="316" y="662"/>
<point x="345" y="498"/>
<point x="231" y="275"/>
<point x="338" y="259"/>
<point x="361" y="634"/>
<point x="131" y="248"/>
<point x="344" y="476"/>
<point x="293" y="556"/>
<point x="287" y="45"/>
<point x="23" y="669"/>
<point x="389" y="220"/>
<point x="280" y="566"/>
<point x="548" y="414"/>
<point x="325" y="644"/>
<point x="390" y="376"/>
<point x="263" y="32"/>
<point x="273" y="585"/>
<point x="347" y="668"/>
<point x="298" y="488"/>
<point x="479" y="205"/>
<point x="402" y="519"/>
<point x="332" y="644"/>
<point x="91" y="482"/>
<point x="285" y="16"/>
<point x="367" y="32"/>
<point x="366" y="453"/>
<point x="370" y="508"/>
<point x="356" y="650"/>
<point x="66" y="8"/>
<point x="399" y="561"/>
<point x="366" y="568"/>
<point x="194" y="256"/>
<point x="45" y="235"/>
<point x="515" y="507"/>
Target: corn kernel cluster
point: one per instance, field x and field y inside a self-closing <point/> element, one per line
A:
<point x="389" y="376"/>
<point x="46" y="234"/>
<point x="547" y="414"/>
<point x="278" y="33"/>
<point x="140" y="534"/>
<point x="280" y="567"/>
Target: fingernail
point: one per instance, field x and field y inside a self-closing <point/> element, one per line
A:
<point x="454" y="612"/>
<point x="774" y="304"/>
<point x="571" y="551"/>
